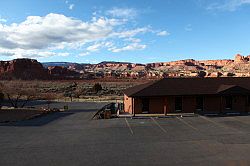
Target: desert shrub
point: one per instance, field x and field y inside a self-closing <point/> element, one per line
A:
<point x="97" y="87"/>
<point x="78" y="93"/>
<point x="49" y="97"/>
<point x="1" y="96"/>
<point x="1" y="99"/>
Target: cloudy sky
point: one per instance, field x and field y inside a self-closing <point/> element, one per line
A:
<point x="139" y="31"/>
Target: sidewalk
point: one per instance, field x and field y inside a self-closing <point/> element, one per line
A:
<point x="126" y="115"/>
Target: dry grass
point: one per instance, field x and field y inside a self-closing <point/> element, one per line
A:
<point x="75" y="90"/>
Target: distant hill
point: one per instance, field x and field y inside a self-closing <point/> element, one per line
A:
<point x="64" y="64"/>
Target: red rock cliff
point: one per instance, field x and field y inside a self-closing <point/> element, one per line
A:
<point x="26" y="69"/>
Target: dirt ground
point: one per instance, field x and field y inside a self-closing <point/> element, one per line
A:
<point x="12" y="115"/>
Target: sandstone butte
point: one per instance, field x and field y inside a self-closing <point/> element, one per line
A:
<point x="26" y="69"/>
<point x="30" y="69"/>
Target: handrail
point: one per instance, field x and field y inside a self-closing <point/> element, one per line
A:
<point x="102" y="110"/>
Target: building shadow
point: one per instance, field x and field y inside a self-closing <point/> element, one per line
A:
<point x="223" y="114"/>
<point x="45" y="119"/>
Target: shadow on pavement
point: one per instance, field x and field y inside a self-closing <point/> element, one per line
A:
<point x="45" y="119"/>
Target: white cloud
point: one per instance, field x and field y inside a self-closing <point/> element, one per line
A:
<point x="53" y="30"/>
<point x="134" y="40"/>
<point x="84" y="54"/>
<point x="99" y="45"/>
<point x="57" y="35"/>
<point x="63" y="54"/>
<point x="20" y="53"/>
<point x="122" y="12"/>
<point x="162" y="33"/>
<point x="130" y="47"/>
<point x="228" y="5"/>
<point x="131" y="33"/>
<point x="2" y="20"/>
<point x="94" y="47"/>
<point x="71" y="6"/>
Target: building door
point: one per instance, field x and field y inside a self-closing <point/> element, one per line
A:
<point x="229" y="102"/>
<point x="199" y="104"/>
<point x="178" y="104"/>
<point x="145" y="106"/>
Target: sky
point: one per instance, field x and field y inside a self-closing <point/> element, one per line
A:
<point x="139" y="31"/>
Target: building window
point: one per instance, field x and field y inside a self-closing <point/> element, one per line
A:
<point x="145" y="106"/>
<point x="229" y="102"/>
<point x="178" y="104"/>
<point x="199" y="103"/>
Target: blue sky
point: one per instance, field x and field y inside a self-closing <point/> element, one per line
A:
<point x="124" y="30"/>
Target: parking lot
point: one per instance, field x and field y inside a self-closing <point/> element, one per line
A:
<point x="71" y="138"/>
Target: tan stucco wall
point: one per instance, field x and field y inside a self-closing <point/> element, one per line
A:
<point x="127" y="104"/>
<point x="156" y="105"/>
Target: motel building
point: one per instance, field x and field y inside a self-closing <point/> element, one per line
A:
<point x="189" y="95"/>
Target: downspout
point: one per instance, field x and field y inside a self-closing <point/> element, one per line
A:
<point x="165" y="106"/>
<point x="133" y="106"/>
<point x="246" y="104"/>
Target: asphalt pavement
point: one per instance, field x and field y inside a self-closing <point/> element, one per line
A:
<point x="72" y="138"/>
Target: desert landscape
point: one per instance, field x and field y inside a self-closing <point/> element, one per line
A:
<point x="120" y="83"/>
<point x="104" y="81"/>
<point x="30" y="69"/>
<point x="25" y="80"/>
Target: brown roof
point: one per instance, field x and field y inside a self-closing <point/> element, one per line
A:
<point x="189" y="86"/>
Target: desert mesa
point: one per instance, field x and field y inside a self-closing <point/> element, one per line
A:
<point x="30" y="69"/>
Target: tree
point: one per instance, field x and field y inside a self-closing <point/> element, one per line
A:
<point x="97" y="87"/>
<point x="1" y="95"/>
<point x="49" y="97"/>
<point x="17" y="94"/>
<point x="70" y="89"/>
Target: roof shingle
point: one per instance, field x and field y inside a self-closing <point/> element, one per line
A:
<point x="187" y="86"/>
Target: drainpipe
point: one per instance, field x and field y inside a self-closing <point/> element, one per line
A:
<point x="133" y="106"/>
<point x="246" y="104"/>
<point x="165" y="106"/>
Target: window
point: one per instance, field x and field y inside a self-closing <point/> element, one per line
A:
<point x="199" y="103"/>
<point x="178" y="104"/>
<point x="145" y="105"/>
<point x="229" y="102"/>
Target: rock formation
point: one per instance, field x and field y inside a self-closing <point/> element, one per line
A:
<point x="26" y="69"/>
<point x="29" y="69"/>
<point x="240" y="59"/>
<point x="61" y="72"/>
